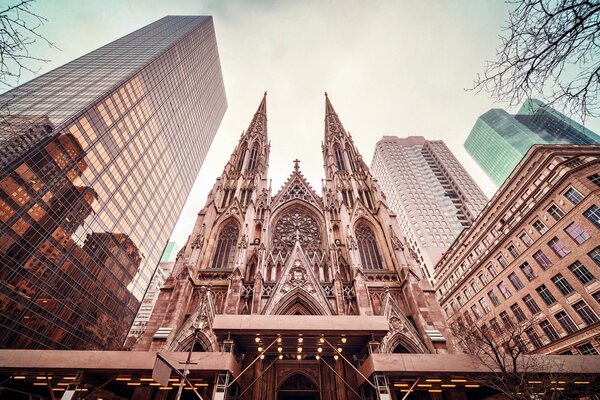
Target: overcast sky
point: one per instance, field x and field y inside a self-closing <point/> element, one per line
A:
<point x="390" y="68"/>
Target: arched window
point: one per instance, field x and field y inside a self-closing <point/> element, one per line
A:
<point x="351" y="159"/>
<point x="339" y="159"/>
<point x="241" y="158"/>
<point x="367" y="246"/>
<point x="226" y="246"/>
<point x="253" y="158"/>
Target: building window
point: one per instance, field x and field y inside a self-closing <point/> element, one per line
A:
<point x="559" y="247"/>
<point x="508" y="324"/>
<point x="566" y="322"/>
<point x="577" y="233"/>
<point x="595" y="255"/>
<point x="518" y="312"/>
<point x="253" y="158"/>
<point x="525" y="239"/>
<point x="351" y="159"/>
<point x="581" y="272"/>
<point x="474" y="287"/>
<point x="516" y="282"/>
<point x="241" y="158"/>
<point x="540" y="227"/>
<point x="494" y="298"/>
<point x="596" y="296"/>
<point x="556" y="212"/>
<point x="504" y="290"/>
<point x="549" y="330"/>
<point x="542" y="259"/>
<point x="513" y="251"/>
<point x="492" y="270"/>
<point x="496" y="326"/>
<point x="502" y="261"/>
<point x="585" y="312"/>
<point x="593" y="214"/>
<point x="573" y="195"/>
<point x="482" y="279"/>
<point x="339" y="159"/>
<point x="484" y="305"/>
<point x="595" y="179"/>
<point x="527" y="271"/>
<point x="534" y="338"/>
<point x="531" y="304"/>
<point x="587" y="349"/>
<point x="475" y="311"/>
<point x="224" y="256"/>
<point x="546" y="294"/>
<point x="562" y="284"/>
<point x="367" y="246"/>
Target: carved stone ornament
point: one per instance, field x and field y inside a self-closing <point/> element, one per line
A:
<point x="351" y="243"/>
<point x="297" y="225"/>
<point x="397" y="243"/>
<point x="297" y="278"/>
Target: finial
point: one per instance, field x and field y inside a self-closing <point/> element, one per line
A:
<point x="296" y="164"/>
<point x="325" y="94"/>
<point x="265" y="92"/>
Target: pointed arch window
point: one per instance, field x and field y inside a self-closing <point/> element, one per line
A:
<point x="339" y="159"/>
<point x="351" y="160"/>
<point x="367" y="247"/>
<point x="242" y="157"/>
<point x="224" y="255"/>
<point x="253" y="158"/>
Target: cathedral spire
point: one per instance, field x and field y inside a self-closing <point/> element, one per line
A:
<point x="333" y="126"/>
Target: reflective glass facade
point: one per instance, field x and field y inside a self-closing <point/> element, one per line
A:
<point x="94" y="176"/>
<point x="499" y="140"/>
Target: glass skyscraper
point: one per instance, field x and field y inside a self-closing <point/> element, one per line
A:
<point x="97" y="159"/>
<point x="498" y="141"/>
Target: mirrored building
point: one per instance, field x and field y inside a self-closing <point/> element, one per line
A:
<point x="499" y="140"/>
<point x="97" y="159"/>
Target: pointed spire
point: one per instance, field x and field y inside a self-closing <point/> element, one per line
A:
<point x="262" y="107"/>
<point x="328" y="107"/>
<point x="258" y="125"/>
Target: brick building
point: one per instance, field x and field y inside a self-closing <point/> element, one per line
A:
<point x="533" y="255"/>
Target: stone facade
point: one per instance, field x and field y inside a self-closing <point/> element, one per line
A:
<point x="294" y="255"/>
<point x="533" y="255"/>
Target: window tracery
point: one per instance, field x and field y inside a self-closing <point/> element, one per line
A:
<point x="367" y="247"/>
<point x="297" y="224"/>
<point x="224" y="255"/>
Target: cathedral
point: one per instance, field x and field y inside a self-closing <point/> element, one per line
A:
<point x="300" y="287"/>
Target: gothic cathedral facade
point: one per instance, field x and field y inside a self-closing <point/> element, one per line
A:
<point x="278" y="279"/>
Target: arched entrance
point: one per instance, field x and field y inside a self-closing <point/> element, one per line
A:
<point x="298" y="387"/>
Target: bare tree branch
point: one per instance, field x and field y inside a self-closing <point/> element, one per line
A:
<point x="19" y="29"/>
<point x="549" y="49"/>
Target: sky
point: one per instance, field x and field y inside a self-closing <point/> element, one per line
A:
<point x="390" y="68"/>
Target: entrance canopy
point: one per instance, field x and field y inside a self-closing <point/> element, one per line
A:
<point x="309" y="332"/>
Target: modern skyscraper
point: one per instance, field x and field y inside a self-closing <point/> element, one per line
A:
<point x="98" y="157"/>
<point x="498" y="141"/>
<point x="432" y="194"/>
<point x="331" y="275"/>
<point x="530" y="264"/>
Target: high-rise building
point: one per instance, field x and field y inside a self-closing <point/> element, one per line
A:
<point x="432" y="194"/>
<point x="498" y="141"/>
<point x="330" y="275"/>
<point x="98" y="157"/>
<point x="531" y="262"/>
<point x="165" y="267"/>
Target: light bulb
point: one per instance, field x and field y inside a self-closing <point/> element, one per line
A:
<point x="322" y="340"/>
<point x="336" y="357"/>
<point x="299" y="349"/>
<point x="279" y="339"/>
<point x="299" y="357"/>
<point x="257" y="339"/>
<point x="318" y="357"/>
<point x="262" y="356"/>
<point x="300" y="340"/>
<point x="280" y="349"/>
<point x="344" y="339"/>
<point x="319" y="349"/>
<point x="339" y="349"/>
<point x="281" y="356"/>
<point x="260" y="349"/>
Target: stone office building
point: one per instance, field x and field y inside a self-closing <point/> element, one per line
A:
<point x="533" y="256"/>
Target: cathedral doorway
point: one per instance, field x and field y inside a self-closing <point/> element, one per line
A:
<point x="298" y="387"/>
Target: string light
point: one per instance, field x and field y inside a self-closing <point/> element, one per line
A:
<point x="280" y="349"/>
<point x="344" y="340"/>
